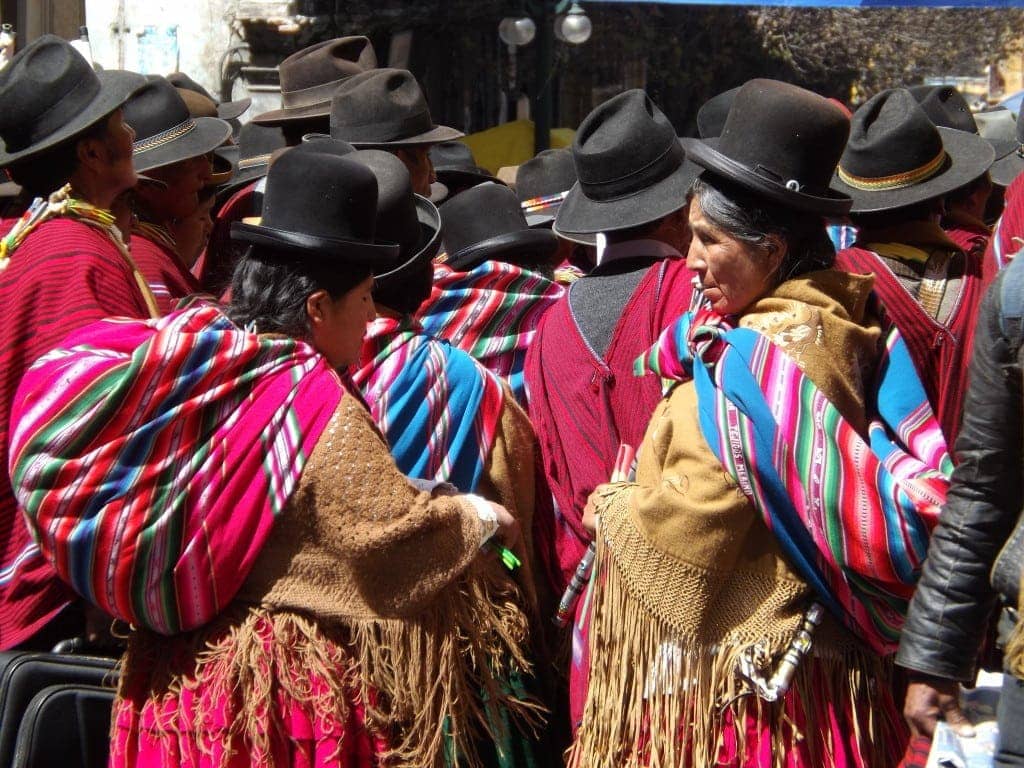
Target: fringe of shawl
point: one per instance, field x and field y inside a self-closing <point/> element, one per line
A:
<point x="1013" y="654"/>
<point x="656" y="701"/>
<point x="431" y="685"/>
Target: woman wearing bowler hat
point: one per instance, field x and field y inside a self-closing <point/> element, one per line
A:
<point x="750" y="583"/>
<point x="294" y="598"/>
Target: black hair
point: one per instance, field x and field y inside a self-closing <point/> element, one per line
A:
<point x="269" y="289"/>
<point x="752" y="219"/>
<point x="42" y="174"/>
<point x="923" y="211"/>
<point x="405" y="291"/>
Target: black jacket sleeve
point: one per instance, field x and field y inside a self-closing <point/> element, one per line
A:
<point x="948" y="614"/>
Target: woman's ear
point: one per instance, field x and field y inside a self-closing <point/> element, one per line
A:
<point x="315" y="308"/>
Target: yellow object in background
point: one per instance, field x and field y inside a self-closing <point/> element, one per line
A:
<point x="510" y="144"/>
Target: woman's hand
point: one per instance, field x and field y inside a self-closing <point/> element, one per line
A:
<point x="508" y="532"/>
<point x="590" y="511"/>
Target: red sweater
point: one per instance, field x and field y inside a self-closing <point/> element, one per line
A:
<point x="64" y="276"/>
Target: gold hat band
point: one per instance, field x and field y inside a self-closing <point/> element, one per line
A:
<point x="896" y="181"/>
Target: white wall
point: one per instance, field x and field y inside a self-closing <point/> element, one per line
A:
<point x="204" y="34"/>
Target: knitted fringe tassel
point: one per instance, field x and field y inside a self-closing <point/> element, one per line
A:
<point x="656" y="700"/>
<point x="1013" y="654"/>
<point x="427" y="683"/>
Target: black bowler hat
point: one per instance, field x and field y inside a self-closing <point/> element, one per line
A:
<point x="403" y="217"/>
<point x="486" y="222"/>
<point x="631" y="169"/>
<point x="781" y="142"/>
<point x="455" y="165"/>
<point x="542" y="184"/>
<point x="310" y="77"/>
<point x="50" y="93"/>
<point x="1006" y="135"/>
<point x="226" y="110"/>
<point x="322" y="206"/>
<point x="713" y="112"/>
<point x="165" y="132"/>
<point x="384" y="108"/>
<point x="897" y="157"/>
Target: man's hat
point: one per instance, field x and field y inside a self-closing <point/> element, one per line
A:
<point x="945" y="106"/>
<point x="1006" y="135"/>
<point x="542" y="183"/>
<point x="310" y="77"/>
<point x="631" y="169"/>
<point x="165" y="132"/>
<point x="320" y="206"/>
<point x="455" y="165"/>
<point x="713" y="112"/>
<point x="781" y="142"/>
<point x="486" y="222"/>
<point x="226" y="110"/>
<point x="385" y="108"/>
<point x="403" y="217"/>
<point x="50" y="93"/>
<point x="897" y="157"/>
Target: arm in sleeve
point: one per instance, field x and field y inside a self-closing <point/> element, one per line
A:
<point x="947" y="618"/>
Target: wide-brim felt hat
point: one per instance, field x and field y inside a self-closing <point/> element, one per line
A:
<point x="320" y="206"/>
<point x="455" y="165"/>
<point x="310" y="77"/>
<point x="165" y="131"/>
<point x="225" y="110"/>
<point x="50" y="94"/>
<point x="630" y="166"/>
<point x="542" y="184"/>
<point x="712" y="113"/>
<point x="385" y="108"/>
<point x="1003" y="131"/>
<point x="486" y="222"/>
<point x="780" y="142"/>
<point x="897" y="157"/>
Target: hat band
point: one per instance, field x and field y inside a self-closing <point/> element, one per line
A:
<point x="896" y="181"/>
<point x="640" y="178"/>
<point x="164" y="137"/>
<point x="543" y="203"/>
<point x="56" y="116"/>
<point x="252" y="162"/>
<point x="386" y="131"/>
<point x="312" y="96"/>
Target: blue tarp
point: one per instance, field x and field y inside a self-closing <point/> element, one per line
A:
<point x="842" y="3"/>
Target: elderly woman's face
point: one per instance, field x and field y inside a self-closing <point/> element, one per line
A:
<point x="734" y="273"/>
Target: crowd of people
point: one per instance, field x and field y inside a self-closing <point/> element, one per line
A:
<point x="688" y="451"/>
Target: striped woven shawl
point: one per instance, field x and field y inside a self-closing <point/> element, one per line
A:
<point x="853" y="515"/>
<point x="439" y="409"/>
<point x="491" y="312"/>
<point x="151" y="458"/>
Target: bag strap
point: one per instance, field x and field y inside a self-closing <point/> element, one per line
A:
<point x="1011" y="302"/>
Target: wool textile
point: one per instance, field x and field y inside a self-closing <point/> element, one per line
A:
<point x="438" y="408"/>
<point x="853" y="515"/>
<point x="156" y="254"/>
<point x="491" y="312"/>
<point x="151" y="476"/>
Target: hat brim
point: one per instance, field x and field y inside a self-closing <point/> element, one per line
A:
<point x="436" y="135"/>
<point x="285" y="115"/>
<point x="377" y="256"/>
<point x="1004" y="170"/>
<point x="541" y="242"/>
<point x="223" y="168"/>
<point x="209" y="133"/>
<point x="116" y="87"/>
<point x="706" y="155"/>
<point x="430" y="242"/>
<point x="969" y="157"/>
<point x="229" y="110"/>
<point x="460" y="177"/>
<point x="581" y="215"/>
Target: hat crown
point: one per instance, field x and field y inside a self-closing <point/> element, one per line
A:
<point x="42" y="87"/>
<point x="381" y="105"/>
<point x="321" y="196"/>
<point x="452" y="155"/>
<point x="785" y="134"/>
<point x="714" y="112"/>
<point x="945" y="106"/>
<point x="155" y="108"/>
<point x="480" y="213"/>
<point x="327" y="62"/>
<point x="397" y="221"/>
<point x="890" y="135"/>
<point x="624" y="146"/>
<point x="549" y="173"/>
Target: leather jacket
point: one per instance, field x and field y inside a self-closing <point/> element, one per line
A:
<point x="949" y="613"/>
